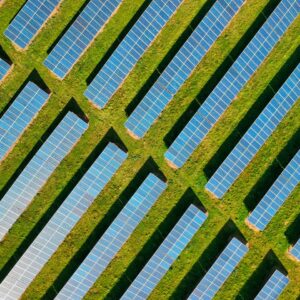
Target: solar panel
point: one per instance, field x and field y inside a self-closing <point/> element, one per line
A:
<point x="19" y="115"/>
<point x="113" y="239"/>
<point x="39" y="169"/>
<point x="274" y="287"/>
<point x="181" y="66"/>
<point x="130" y="50"/>
<point x="232" y="83"/>
<point x="255" y="137"/>
<point x="276" y="195"/>
<point x="29" y="20"/>
<point x="295" y="250"/>
<point x="166" y="254"/>
<point x="79" y="36"/>
<point x="62" y="222"/>
<point x="4" y="68"/>
<point x="220" y="271"/>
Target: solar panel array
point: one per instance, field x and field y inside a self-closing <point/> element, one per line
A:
<point x="62" y="222"/>
<point x="39" y="169"/>
<point x="79" y="36"/>
<point x="29" y="20"/>
<point x="274" y="287"/>
<point x="232" y="82"/>
<point x="181" y="66"/>
<point x="130" y="50"/>
<point x="295" y="250"/>
<point x="166" y="254"/>
<point x="255" y="137"/>
<point x="4" y="67"/>
<point x="113" y="239"/>
<point x="276" y="195"/>
<point x="19" y="115"/>
<point x="220" y="271"/>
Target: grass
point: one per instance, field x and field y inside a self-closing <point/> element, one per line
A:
<point x="187" y="184"/>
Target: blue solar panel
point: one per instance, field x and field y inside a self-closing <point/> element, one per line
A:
<point x="130" y="50"/>
<point x="39" y="169"/>
<point x="79" y="36"/>
<point x="113" y="239"/>
<point x="19" y="115"/>
<point x="256" y="136"/>
<point x="276" y="195"/>
<point x="220" y="271"/>
<point x="166" y="254"/>
<point x="295" y="250"/>
<point x="232" y="82"/>
<point x="274" y="287"/>
<point x="4" y="68"/>
<point x="62" y="222"/>
<point x="30" y="19"/>
<point x="181" y="66"/>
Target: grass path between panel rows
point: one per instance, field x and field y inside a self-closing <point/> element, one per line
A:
<point x="226" y="217"/>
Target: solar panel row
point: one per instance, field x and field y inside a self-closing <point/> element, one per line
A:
<point x="62" y="222"/>
<point x="295" y="250"/>
<point x="166" y="254"/>
<point x="274" y="287"/>
<point x="181" y="66"/>
<point x="60" y="61"/>
<point x="29" y="20"/>
<point x="38" y="170"/>
<point x="130" y="50"/>
<point x="79" y="36"/>
<point x="4" y="68"/>
<point x="256" y="136"/>
<point x="232" y="83"/>
<point x="112" y="240"/>
<point x="19" y="115"/>
<point x="220" y="271"/>
<point x="276" y="195"/>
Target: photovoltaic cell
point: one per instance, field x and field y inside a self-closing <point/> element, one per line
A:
<point x="29" y="20"/>
<point x="274" y="287"/>
<point x="181" y="66"/>
<point x="79" y="36"/>
<point x="166" y="254"/>
<point x="256" y="136"/>
<point x="232" y="82"/>
<point x="276" y="195"/>
<point x="295" y="251"/>
<point x="4" y="67"/>
<point x="113" y="239"/>
<point x="62" y="222"/>
<point x="19" y="115"/>
<point x="39" y="169"/>
<point x="220" y="271"/>
<point x="130" y="50"/>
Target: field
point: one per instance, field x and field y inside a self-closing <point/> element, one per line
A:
<point x="186" y="185"/>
